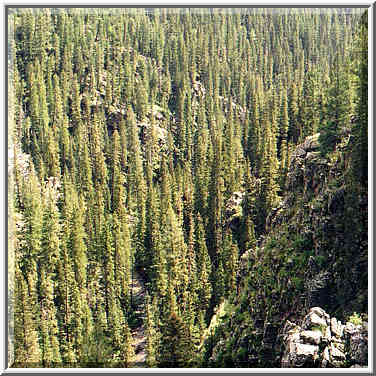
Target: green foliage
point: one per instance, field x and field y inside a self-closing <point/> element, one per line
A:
<point x="355" y="319"/>
<point x="132" y="130"/>
<point x="329" y="136"/>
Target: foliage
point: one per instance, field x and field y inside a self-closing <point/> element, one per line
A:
<point x="355" y="319"/>
<point x="132" y="130"/>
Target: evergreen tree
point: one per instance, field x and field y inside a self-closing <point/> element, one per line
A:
<point x="49" y="327"/>
<point x="284" y="131"/>
<point x="150" y="125"/>
<point x="27" y="352"/>
<point x="151" y="335"/>
<point x="127" y="353"/>
<point x="338" y="108"/>
<point x="360" y="160"/>
<point x="203" y="267"/>
<point x="175" y="349"/>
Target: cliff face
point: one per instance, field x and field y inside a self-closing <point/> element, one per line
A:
<point x="314" y="253"/>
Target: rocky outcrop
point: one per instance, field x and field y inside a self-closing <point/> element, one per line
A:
<point x="319" y="199"/>
<point x="234" y="210"/>
<point x="306" y="176"/>
<point x="311" y="255"/>
<point x="321" y="341"/>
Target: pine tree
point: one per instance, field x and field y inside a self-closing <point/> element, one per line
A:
<point x="360" y="159"/>
<point x="152" y="234"/>
<point x="127" y="353"/>
<point x="175" y="349"/>
<point x="77" y="242"/>
<point x="122" y="260"/>
<point x="27" y="352"/>
<point x="49" y="326"/>
<point x="338" y="108"/>
<point x="284" y="131"/>
<point x="151" y="335"/>
<point x="200" y="162"/>
<point x="136" y="185"/>
<point x="142" y="101"/>
<point x="118" y="180"/>
<point x="230" y="262"/>
<point x="216" y="188"/>
<point x="203" y="267"/>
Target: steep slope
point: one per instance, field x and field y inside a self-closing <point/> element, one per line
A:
<point x="314" y="254"/>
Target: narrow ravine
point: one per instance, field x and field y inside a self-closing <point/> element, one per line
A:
<point x="139" y="314"/>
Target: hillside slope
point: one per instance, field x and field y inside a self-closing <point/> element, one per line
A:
<point x="314" y="254"/>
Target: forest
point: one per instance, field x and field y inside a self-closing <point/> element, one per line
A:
<point x="181" y="181"/>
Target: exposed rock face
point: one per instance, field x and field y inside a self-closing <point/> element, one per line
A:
<point x="317" y="317"/>
<point x="322" y="341"/>
<point x="234" y="209"/>
<point x="318" y="203"/>
<point x="357" y="342"/>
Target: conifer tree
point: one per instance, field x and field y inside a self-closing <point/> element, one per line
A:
<point x="200" y="164"/>
<point x="230" y="261"/>
<point x="284" y="131"/>
<point x="118" y="180"/>
<point x="309" y="111"/>
<point x="141" y="101"/>
<point x="151" y="335"/>
<point x="77" y="242"/>
<point x="175" y="350"/>
<point x="49" y="327"/>
<point x="360" y="161"/>
<point x="27" y="352"/>
<point x="338" y="108"/>
<point x="293" y="114"/>
<point x="127" y="352"/>
<point x="100" y="172"/>
<point x="146" y="120"/>
<point x="122" y="260"/>
<point x="203" y="267"/>
<point x="216" y="189"/>
<point x="152" y="234"/>
<point x="136" y="186"/>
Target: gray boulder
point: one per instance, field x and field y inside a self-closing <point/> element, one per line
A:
<point x="322" y="341"/>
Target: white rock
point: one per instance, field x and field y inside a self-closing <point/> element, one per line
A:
<point x="312" y="319"/>
<point x="302" y="349"/>
<point x="336" y="353"/>
<point x="339" y="345"/>
<point x="319" y="312"/>
<point x="311" y="336"/>
<point x="325" y="357"/>
<point x="294" y="336"/>
<point x="336" y="327"/>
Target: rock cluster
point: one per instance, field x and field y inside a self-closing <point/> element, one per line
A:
<point x="310" y="145"/>
<point x="322" y="341"/>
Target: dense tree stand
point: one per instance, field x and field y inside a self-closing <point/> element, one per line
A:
<point x="181" y="180"/>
